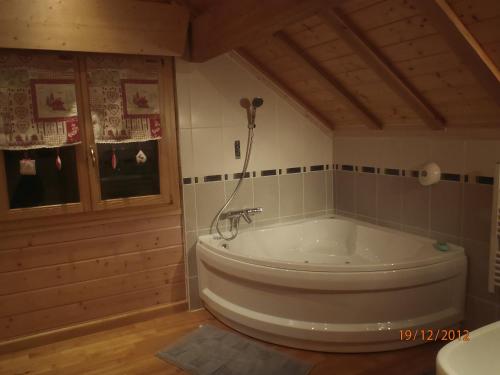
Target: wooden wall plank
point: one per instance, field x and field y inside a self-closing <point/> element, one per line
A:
<point x="66" y="294"/>
<point x="19" y="281"/>
<point x="111" y="26"/>
<point x="61" y="316"/>
<point x="72" y="251"/>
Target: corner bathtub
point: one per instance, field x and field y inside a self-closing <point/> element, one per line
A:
<point x="331" y="284"/>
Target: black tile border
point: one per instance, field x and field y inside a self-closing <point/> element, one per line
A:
<point x="213" y="178"/>
<point x="484" y="180"/>
<point x="414" y="173"/>
<point x="293" y="170"/>
<point x="366" y="169"/>
<point x="347" y="168"/>
<point x="268" y="172"/>
<point x="237" y="176"/>
<point x="450" y="177"/>
<point x="187" y="181"/>
<point x="315" y="168"/>
<point x="391" y="171"/>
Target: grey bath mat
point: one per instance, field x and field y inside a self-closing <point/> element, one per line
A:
<point x="210" y="350"/>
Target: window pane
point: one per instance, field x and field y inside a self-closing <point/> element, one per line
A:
<point x="130" y="178"/>
<point x="48" y="186"/>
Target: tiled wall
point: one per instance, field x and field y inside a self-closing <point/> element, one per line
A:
<point x="288" y="169"/>
<point x="373" y="181"/>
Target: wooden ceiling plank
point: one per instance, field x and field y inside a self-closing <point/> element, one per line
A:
<point x="233" y="24"/>
<point x="463" y="44"/>
<point x="375" y="60"/>
<point x="330" y="82"/>
<point x="284" y="88"/>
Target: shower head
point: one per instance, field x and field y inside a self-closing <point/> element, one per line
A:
<point x="257" y="102"/>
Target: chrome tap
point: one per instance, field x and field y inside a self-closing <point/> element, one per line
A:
<point x="235" y="216"/>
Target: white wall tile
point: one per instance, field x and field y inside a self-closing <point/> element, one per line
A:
<point x="318" y="145"/>
<point x="449" y="154"/>
<point x="481" y="157"/>
<point x="206" y="103"/>
<point x="414" y="152"/>
<point x="183" y="99"/>
<point x="186" y="153"/>
<point x="208" y="151"/>
<point x="229" y="135"/>
<point x="290" y="133"/>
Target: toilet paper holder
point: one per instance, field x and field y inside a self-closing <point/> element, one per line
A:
<point x="429" y="174"/>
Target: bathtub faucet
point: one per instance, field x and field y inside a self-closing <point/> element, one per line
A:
<point x="235" y="216"/>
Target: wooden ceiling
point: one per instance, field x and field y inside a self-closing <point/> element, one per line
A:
<point x="367" y="64"/>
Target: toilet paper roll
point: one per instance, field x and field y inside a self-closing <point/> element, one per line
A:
<point x="429" y="174"/>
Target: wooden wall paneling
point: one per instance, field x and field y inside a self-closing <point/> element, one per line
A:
<point x="49" y="276"/>
<point x="45" y="298"/>
<point x="60" y="316"/>
<point x="233" y="24"/>
<point x="462" y="42"/>
<point x="111" y="26"/>
<point x="379" y="63"/>
<point x="66" y="252"/>
<point x="487" y="31"/>
<point x="330" y="82"/>
<point x="282" y="87"/>
<point x="72" y="232"/>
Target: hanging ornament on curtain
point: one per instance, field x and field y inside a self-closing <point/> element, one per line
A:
<point x="114" y="160"/>
<point x="141" y="157"/>
<point x="27" y="166"/>
<point x="58" y="161"/>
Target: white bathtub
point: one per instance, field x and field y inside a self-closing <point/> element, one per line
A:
<point x="331" y="284"/>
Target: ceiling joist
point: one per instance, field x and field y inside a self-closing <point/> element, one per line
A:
<point x="283" y="87"/>
<point x="233" y="24"/>
<point x="330" y="83"/>
<point x="463" y="44"/>
<point x="382" y="67"/>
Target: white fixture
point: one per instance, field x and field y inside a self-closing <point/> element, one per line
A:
<point x="429" y="174"/>
<point x="331" y="284"/>
<point x="478" y="354"/>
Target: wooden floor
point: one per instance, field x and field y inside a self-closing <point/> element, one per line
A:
<point x="130" y="350"/>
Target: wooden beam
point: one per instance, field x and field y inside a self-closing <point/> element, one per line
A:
<point x="330" y="83"/>
<point x="382" y="67"/>
<point x="284" y="88"/>
<point x="113" y="26"/>
<point x="236" y="23"/>
<point x="463" y="44"/>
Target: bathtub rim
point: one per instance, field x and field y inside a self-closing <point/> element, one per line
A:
<point x="455" y="252"/>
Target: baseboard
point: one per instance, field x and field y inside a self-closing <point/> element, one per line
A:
<point x="80" y="329"/>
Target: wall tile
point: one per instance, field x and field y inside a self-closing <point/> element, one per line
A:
<point x="266" y="195"/>
<point x="206" y="104"/>
<point x="191" y="239"/>
<point x="446" y="211"/>
<point x="209" y="199"/>
<point x="329" y="189"/>
<point x="448" y="154"/>
<point x="189" y="205"/>
<point x="414" y="152"/>
<point x="186" y="152"/>
<point x="244" y="197"/>
<point x="416" y="202"/>
<point x="477" y="269"/>
<point x="366" y="188"/>
<point x="291" y="194"/>
<point x="481" y="157"/>
<point x="478" y="203"/>
<point x="290" y="133"/>
<point x="344" y="192"/>
<point x="208" y="151"/>
<point x="195" y="301"/>
<point x="478" y="313"/>
<point x="389" y="202"/>
<point x="183" y="99"/>
<point x="314" y="191"/>
<point x="229" y="136"/>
